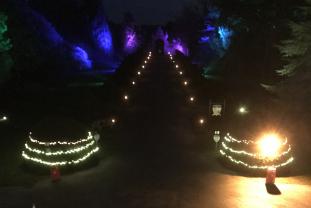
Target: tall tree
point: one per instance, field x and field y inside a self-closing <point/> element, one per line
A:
<point x="5" y="45"/>
<point x="296" y="51"/>
<point x="295" y="89"/>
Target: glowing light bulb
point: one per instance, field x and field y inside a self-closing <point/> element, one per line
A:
<point x="177" y="66"/>
<point x="181" y="73"/>
<point x="126" y="97"/>
<point x="191" y="99"/>
<point x="269" y="145"/>
<point x="133" y="82"/>
<point x="5" y="118"/>
<point x="201" y="121"/>
<point x="242" y="110"/>
<point x="185" y="83"/>
<point x="143" y="66"/>
<point x="148" y="57"/>
<point x="146" y="62"/>
<point x="138" y="73"/>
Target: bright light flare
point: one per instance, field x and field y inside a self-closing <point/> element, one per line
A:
<point x="269" y="145"/>
<point x="242" y="110"/>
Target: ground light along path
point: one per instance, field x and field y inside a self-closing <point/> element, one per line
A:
<point x="162" y="159"/>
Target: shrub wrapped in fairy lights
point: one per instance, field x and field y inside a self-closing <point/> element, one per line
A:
<point x="52" y="144"/>
<point x="269" y="151"/>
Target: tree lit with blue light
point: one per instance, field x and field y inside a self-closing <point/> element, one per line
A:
<point x="80" y="55"/>
<point x="225" y="35"/>
<point x="102" y="35"/>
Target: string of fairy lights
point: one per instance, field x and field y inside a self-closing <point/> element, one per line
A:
<point x="68" y="153"/>
<point x="232" y="154"/>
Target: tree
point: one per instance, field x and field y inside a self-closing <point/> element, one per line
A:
<point x="243" y="154"/>
<point x="5" y="45"/>
<point x="296" y="51"/>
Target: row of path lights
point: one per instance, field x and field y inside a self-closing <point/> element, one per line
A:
<point x="126" y="96"/>
<point x="192" y="99"/>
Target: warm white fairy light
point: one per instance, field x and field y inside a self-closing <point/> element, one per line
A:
<point x="176" y="66"/>
<point x="148" y="57"/>
<point x="90" y="137"/>
<point x="191" y="99"/>
<point x="180" y="72"/>
<point x="145" y="62"/>
<point x="68" y="149"/>
<point x="185" y="83"/>
<point x="113" y="120"/>
<point x="143" y="66"/>
<point x="290" y="160"/>
<point x="138" y="73"/>
<point x="67" y="152"/>
<point x="60" y="163"/>
<point x="133" y="82"/>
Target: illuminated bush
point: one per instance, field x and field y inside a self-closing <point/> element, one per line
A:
<point x="248" y="154"/>
<point x="59" y="149"/>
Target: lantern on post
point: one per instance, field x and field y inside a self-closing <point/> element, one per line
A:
<point x="216" y="138"/>
<point x="55" y="174"/>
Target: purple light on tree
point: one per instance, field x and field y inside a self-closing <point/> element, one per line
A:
<point x="131" y="41"/>
<point x="172" y="47"/>
<point x="177" y="45"/>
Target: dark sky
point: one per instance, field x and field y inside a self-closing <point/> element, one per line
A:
<point x="144" y="11"/>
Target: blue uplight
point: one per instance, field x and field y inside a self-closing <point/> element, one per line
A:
<point x="204" y="39"/>
<point x="80" y="55"/>
<point x="225" y="34"/>
<point x="102" y="35"/>
<point x="44" y="29"/>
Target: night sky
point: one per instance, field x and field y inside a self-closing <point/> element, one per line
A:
<point x="144" y="11"/>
